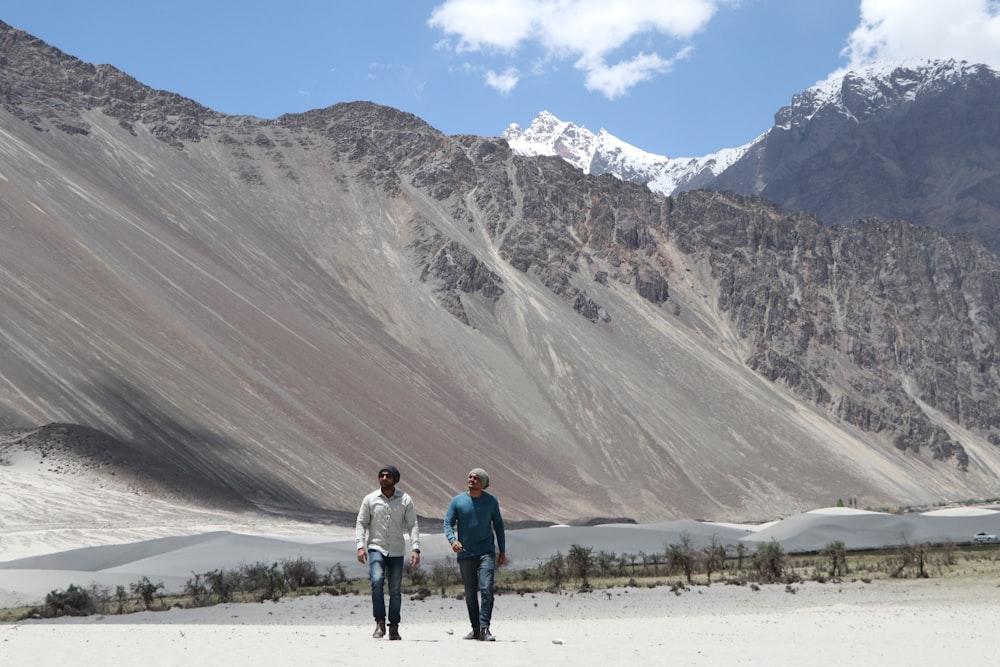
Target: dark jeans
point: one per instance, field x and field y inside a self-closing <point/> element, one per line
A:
<point x="477" y="577"/>
<point x="381" y="568"/>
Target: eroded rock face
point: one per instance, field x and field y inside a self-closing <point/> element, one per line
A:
<point x="863" y="321"/>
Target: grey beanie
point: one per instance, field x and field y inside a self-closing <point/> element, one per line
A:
<point x="481" y="474"/>
<point x="392" y="470"/>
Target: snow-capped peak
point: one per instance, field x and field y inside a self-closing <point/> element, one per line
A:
<point x="604" y="153"/>
<point x="547" y="135"/>
<point x="863" y="92"/>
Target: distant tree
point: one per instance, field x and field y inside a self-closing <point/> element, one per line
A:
<point x="300" y="572"/>
<point x="336" y="575"/>
<point x="100" y="596"/>
<point x="632" y="559"/>
<point x="147" y="591"/>
<point x="681" y="557"/>
<point x="741" y="552"/>
<point x="223" y="584"/>
<point x="714" y="558"/>
<point x="579" y="562"/>
<point x="835" y="554"/>
<point x="948" y="552"/>
<point x="197" y="589"/>
<point x="266" y="582"/>
<point x="554" y="569"/>
<point x="443" y="574"/>
<point x="416" y="575"/>
<point x="605" y="562"/>
<point x="914" y="556"/>
<point x="121" y="598"/>
<point x="769" y="561"/>
<point x="74" y="601"/>
<point x="654" y="559"/>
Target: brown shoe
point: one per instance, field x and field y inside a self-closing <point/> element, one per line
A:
<point x="394" y="632"/>
<point x="379" y="629"/>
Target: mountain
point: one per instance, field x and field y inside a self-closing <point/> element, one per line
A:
<point x="912" y="141"/>
<point x="265" y="311"/>
<point x="918" y="142"/>
<point x="604" y="153"/>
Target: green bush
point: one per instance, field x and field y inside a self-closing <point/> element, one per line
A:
<point x="769" y="561"/>
<point x="74" y="601"/>
<point x="300" y="572"/>
<point x="579" y="563"/>
<point x="836" y="558"/>
<point x="147" y="591"/>
<point x="223" y="584"/>
<point x="265" y="582"/>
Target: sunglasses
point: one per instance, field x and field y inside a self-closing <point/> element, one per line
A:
<point x="384" y="474"/>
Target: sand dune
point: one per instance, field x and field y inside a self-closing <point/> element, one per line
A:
<point x="174" y="559"/>
<point x="69" y="531"/>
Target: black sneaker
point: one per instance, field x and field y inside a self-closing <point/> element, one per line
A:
<point x="485" y="635"/>
<point x="379" y="629"/>
<point x="474" y="634"/>
<point x="394" y="632"/>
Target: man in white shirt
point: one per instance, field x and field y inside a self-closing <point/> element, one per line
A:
<point x="384" y="519"/>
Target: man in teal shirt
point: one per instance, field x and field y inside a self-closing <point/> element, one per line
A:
<point x="476" y="515"/>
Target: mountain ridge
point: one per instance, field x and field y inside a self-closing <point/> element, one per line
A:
<point x="911" y="140"/>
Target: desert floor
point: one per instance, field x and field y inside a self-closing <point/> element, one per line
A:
<point x="57" y="530"/>
<point x="885" y="622"/>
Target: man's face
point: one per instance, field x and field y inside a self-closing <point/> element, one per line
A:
<point x="386" y="480"/>
<point x="474" y="483"/>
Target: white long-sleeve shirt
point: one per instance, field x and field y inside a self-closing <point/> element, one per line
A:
<point x="384" y="522"/>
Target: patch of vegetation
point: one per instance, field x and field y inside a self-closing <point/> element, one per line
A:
<point x="679" y="566"/>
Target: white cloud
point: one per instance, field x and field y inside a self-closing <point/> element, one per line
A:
<point x="897" y="30"/>
<point x="595" y="33"/>
<point x="503" y="82"/>
<point x="615" y="80"/>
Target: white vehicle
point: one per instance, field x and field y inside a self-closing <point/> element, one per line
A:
<point x="984" y="538"/>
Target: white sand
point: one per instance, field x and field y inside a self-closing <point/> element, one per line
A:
<point x="882" y="623"/>
<point x="935" y="621"/>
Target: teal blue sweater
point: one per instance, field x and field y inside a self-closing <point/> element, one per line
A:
<point x="476" y="519"/>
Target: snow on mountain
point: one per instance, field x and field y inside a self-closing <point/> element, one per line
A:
<point x="847" y="95"/>
<point x="603" y="153"/>
<point x="858" y="94"/>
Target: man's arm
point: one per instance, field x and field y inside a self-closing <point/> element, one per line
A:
<point x="501" y="535"/>
<point x="410" y="520"/>
<point x="361" y="529"/>
<point x="412" y="524"/>
<point x="450" y="520"/>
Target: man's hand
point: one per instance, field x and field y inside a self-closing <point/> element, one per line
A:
<point x="362" y="555"/>
<point x="414" y="558"/>
<point x="501" y="559"/>
<point x="456" y="546"/>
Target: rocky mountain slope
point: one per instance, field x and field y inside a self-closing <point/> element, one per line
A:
<point x="281" y="306"/>
<point x="914" y="141"/>
<point x="918" y="142"/>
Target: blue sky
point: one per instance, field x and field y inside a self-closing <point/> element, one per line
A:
<point x="675" y="77"/>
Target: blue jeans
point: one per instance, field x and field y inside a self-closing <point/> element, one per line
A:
<point x="381" y="568"/>
<point x="477" y="577"/>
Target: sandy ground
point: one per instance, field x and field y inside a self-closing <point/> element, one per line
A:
<point x="59" y="530"/>
<point x="881" y="623"/>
